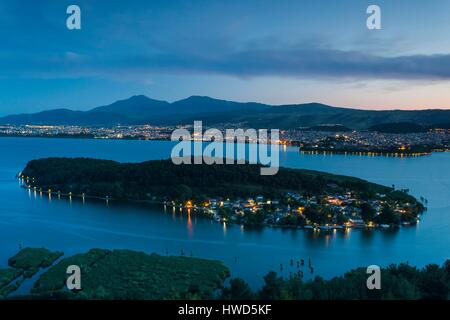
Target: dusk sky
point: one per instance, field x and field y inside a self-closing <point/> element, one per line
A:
<point x="275" y="52"/>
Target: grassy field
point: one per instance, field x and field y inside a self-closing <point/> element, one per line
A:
<point x="25" y="264"/>
<point x="125" y="274"/>
<point x="31" y="259"/>
<point x="7" y="277"/>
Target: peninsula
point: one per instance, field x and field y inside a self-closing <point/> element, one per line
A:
<point x="230" y="193"/>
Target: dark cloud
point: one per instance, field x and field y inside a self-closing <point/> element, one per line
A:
<point x="140" y="38"/>
<point x="283" y="61"/>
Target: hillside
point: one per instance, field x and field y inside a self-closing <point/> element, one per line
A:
<point x="143" y="110"/>
<point x="163" y="179"/>
<point x="398" y="127"/>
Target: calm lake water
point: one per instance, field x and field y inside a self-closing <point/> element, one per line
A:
<point x="31" y="220"/>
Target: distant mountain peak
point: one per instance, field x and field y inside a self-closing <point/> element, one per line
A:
<point x="193" y="97"/>
<point x="140" y="109"/>
<point x="138" y="105"/>
<point x="139" y="98"/>
<point x="196" y="98"/>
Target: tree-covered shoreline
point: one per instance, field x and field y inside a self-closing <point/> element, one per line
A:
<point x="161" y="177"/>
<point x="230" y="193"/>
<point x="126" y="274"/>
<point x="398" y="282"/>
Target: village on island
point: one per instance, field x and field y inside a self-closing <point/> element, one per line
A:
<point x="330" y="207"/>
<point x="327" y="212"/>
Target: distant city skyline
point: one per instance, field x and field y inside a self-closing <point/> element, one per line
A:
<point x="274" y="52"/>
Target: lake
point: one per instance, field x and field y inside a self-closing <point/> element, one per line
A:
<point x="30" y="219"/>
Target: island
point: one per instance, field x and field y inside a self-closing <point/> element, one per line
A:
<point x="230" y="193"/>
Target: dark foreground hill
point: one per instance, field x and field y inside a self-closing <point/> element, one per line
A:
<point x="117" y="274"/>
<point x="132" y="275"/>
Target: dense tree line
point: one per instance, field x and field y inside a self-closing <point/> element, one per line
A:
<point x="162" y="178"/>
<point x="401" y="281"/>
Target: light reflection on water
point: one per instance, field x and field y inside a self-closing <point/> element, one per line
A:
<point x="73" y="226"/>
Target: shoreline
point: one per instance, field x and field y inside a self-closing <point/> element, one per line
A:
<point x="370" y="153"/>
<point x="214" y="216"/>
<point x="374" y="153"/>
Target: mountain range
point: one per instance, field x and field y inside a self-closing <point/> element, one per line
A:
<point x="143" y="110"/>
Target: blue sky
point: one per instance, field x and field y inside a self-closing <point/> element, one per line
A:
<point x="267" y="51"/>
